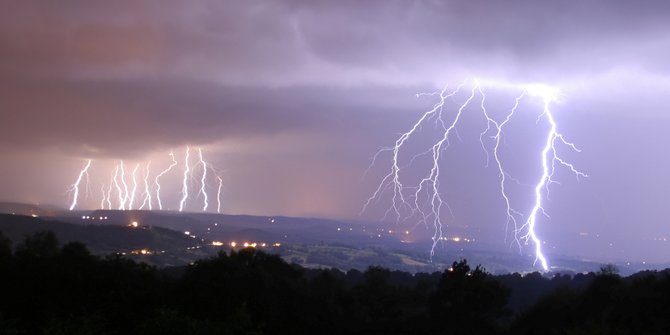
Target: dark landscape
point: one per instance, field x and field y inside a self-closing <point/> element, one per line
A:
<point x="54" y="288"/>
<point x="134" y="273"/>
<point x="176" y="239"/>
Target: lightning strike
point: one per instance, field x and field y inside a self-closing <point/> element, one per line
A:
<point x="392" y="179"/>
<point x="549" y="158"/>
<point x="218" y="194"/>
<point x="125" y="188"/>
<point x="202" y="180"/>
<point x="425" y="201"/>
<point x="184" y="190"/>
<point x="147" y="192"/>
<point x="134" y="189"/>
<point x="119" y="191"/>
<point x="511" y="214"/>
<point x="104" y="196"/>
<point x="158" y="185"/>
<point x="433" y="179"/>
<point x="75" y="187"/>
<point x="128" y="194"/>
<point x="109" y="193"/>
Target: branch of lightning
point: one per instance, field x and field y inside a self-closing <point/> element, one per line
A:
<point x="407" y="199"/>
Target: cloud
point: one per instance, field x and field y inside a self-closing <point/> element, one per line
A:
<point x="342" y="43"/>
<point x="122" y="78"/>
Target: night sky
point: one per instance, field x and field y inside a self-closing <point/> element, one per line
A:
<point x="290" y="100"/>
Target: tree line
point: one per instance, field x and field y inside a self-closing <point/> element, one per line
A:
<point x="46" y="288"/>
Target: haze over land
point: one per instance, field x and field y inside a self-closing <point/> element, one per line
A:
<point x="291" y="99"/>
<point x="171" y="239"/>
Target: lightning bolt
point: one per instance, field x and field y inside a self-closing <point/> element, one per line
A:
<point x="119" y="190"/>
<point x="109" y="193"/>
<point x="130" y="192"/>
<point x="202" y="180"/>
<point x="430" y="183"/>
<point x="184" y="190"/>
<point x="104" y="197"/>
<point x="75" y="187"/>
<point x="549" y="158"/>
<point x="433" y="179"/>
<point x="218" y="194"/>
<point x="125" y="187"/>
<point x="134" y="189"/>
<point x="158" y="185"/>
<point x="392" y="179"/>
<point x="147" y="192"/>
<point x="425" y="199"/>
<point x="511" y="214"/>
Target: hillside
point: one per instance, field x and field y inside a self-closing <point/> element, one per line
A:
<point x="154" y="245"/>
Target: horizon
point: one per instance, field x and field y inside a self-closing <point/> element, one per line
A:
<point x="449" y="249"/>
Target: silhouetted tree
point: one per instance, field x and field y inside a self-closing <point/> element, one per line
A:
<point x="552" y="314"/>
<point x="245" y="283"/>
<point x="39" y="245"/>
<point x="468" y="302"/>
<point x="330" y="303"/>
<point x="5" y="249"/>
<point x="608" y="270"/>
<point x="173" y="322"/>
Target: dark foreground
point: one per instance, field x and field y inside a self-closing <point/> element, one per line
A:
<point x="48" y="289"/>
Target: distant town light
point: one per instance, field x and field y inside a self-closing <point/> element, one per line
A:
<point x="144" y="251"/>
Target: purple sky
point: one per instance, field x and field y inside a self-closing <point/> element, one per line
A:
<point x="290" y="100"/>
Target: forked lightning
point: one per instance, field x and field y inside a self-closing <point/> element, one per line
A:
<point x="424" y="201"/>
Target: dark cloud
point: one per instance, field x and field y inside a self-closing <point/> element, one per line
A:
<point x="289" y="42"/>
<point x="128" y="117"/>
